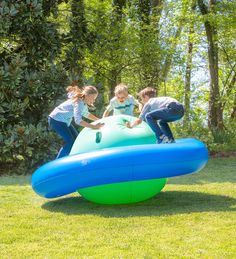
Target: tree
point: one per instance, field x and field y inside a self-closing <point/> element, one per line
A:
<point x="77" y="42"/>
<point x="188" y="72"/>
<point x="215" y="119"/>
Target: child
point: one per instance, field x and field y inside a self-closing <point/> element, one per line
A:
<point x="76" y="106"/>
<point x="158" y="112"/>
<point x="122" y="103"/>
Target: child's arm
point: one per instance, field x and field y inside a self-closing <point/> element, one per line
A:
<point x="146" y="108"/>
<point x="109" y="108"/>
<point x="106" y="113"/>
<point x="139" y="104"/>
<point x="133" y="124"/>
<point x="140" y="107"/>
<point x="81" y="110"/>
<point x="92" y="117"/>
<point x="91" y="126"/>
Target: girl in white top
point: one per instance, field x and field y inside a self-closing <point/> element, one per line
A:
<point x="122" y="102"/>
<point x="75" y="107"/>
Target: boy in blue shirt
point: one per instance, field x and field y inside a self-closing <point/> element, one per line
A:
<point x="157" y="112"/>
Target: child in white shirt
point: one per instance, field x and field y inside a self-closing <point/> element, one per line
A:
<point x="122" y="102"/>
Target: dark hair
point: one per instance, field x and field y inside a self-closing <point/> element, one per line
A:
<point x="149" y="91"/>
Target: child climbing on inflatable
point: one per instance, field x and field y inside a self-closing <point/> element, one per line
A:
<point x="157" y="112"/>
<point x="122" y="102"/>
<point x="75" y="107"/>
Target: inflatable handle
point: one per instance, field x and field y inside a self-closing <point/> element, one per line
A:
<point x="98" y="137"/>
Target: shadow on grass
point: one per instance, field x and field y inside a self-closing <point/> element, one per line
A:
<point x="166" y="203"/>
<point x="15" y="180"/>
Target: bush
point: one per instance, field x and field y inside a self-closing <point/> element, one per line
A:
<point x="26" y="98"/>
<point x="24" y="147"/>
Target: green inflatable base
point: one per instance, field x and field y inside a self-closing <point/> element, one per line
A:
<point x="123" y="193"/>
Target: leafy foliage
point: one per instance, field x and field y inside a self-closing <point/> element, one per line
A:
<point x="47" y="44"/>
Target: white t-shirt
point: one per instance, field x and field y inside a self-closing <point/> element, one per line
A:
<point x="127" y="107"/>
<point x="156" y="103"/>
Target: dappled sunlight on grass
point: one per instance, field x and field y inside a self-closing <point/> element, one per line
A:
<point x="216" y="171"/>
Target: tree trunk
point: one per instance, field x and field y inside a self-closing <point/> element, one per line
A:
<point x="114" y="74"/>
<point x="169" y="57"/>
<point x="149" y="33"/>
<point x="187" y="85"/>
<point x="113" y="81"/>
<point x="78" y="28"/>
<point x="157" y="6"/>
<point x="144" y="12"/>
<point x="233" y="113"/>
<point x="231" y="86"/>
<point x="215" y="116"/>
<point x="144" y="16"/>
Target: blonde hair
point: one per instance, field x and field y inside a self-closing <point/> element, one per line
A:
<point x="72" y="88"/>
<point x="121" y="88"/>
<point x="149" y="91"/>
<point x="81" y="93"/>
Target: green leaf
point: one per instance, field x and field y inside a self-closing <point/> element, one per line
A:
<point x="20" y="157"/>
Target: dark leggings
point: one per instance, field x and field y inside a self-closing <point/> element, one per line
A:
<point x="68" y="133"/>
<point x="158" y="119"/>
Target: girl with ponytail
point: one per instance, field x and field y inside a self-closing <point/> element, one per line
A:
<point x="76" y="107"/>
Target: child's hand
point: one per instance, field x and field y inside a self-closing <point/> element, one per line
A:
<point x="128" y="125"/>
<point x="98" y="125"/>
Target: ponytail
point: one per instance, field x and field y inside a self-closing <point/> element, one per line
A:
<point x="78" y="94"/>
<point x="74" y="93"/>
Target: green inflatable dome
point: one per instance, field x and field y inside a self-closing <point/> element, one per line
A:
<point x="115" y="134"/>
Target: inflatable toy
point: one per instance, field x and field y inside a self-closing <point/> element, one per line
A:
<point x="115" y="165"/>
<point x="113" y="134"/>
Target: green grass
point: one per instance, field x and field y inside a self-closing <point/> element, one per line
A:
<point x="193" y="217"/>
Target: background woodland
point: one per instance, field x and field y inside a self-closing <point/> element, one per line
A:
<point x="185" y="49"/>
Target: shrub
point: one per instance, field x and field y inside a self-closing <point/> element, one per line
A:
<point x="26" y="98"/>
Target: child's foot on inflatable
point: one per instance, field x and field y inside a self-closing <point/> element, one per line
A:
<point x="165" y="140"/>
<point x="172" y="140"/>
<point x="160" y="139"/>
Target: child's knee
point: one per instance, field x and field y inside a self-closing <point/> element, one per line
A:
<point x="148" y="116"/>
<point x="162" y="122"/>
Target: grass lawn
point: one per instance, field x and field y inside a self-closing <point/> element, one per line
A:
<point x="193" y="217"/>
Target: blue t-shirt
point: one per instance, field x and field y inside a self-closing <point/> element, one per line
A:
<point x="156" y="103"/>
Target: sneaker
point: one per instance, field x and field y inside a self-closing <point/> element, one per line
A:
<point x="167" y="140"/>
<point x="162" y="140"/>
<point x="171" y="140"/>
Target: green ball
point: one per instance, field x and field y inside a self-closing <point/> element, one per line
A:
<point x="114" y="133"/>
<point x="123" y="193"/>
